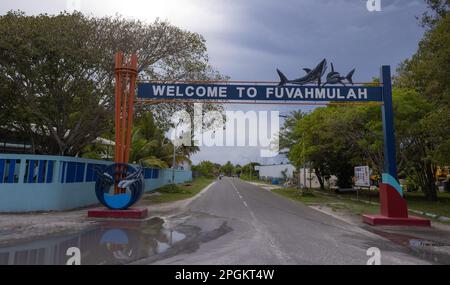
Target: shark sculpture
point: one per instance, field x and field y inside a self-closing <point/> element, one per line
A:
<point x="311" y="76"/>
<point x="334" y="77"/>
<point x="315" y="76"/>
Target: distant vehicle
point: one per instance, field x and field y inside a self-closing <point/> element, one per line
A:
<point x="220" y="176"/>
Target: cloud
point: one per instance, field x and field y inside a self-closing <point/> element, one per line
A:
<point x="248" y="39"/>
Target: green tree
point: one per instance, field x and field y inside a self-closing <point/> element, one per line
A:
<point x="57" y="73"/>
<point x="437" y="10"/>
<point x="319" y="143"/>
<point x="248" y="170"/>
<point x="207" y="169"/>
<point x="427" y="73"/>
<point x="287" y="137"/>
<point x="150" y="146"/>
<point x="227" y="169"/>
<point x="414" y="144"/>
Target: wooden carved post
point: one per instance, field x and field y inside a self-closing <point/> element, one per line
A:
<point x="125" y="75"/>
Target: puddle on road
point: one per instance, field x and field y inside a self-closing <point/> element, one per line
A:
<point x="423" y="243"/>
<point x="433" y="251"/>
<point x="112" y="242"/>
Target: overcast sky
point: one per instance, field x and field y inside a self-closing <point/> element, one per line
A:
<point x="249" y="39"/>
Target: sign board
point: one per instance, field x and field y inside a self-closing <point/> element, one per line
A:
<point x="362" y="176"/>
<point x="185" y="91"/>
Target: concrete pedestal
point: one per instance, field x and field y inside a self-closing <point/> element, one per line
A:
<point x="133" y="213"/>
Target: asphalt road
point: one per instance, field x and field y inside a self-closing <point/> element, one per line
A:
<point x="239" y="223"/>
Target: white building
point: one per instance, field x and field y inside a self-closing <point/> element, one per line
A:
<point x="275" y="171"/>
<point x="306" y="177"/>
<point x="185" y="165"/>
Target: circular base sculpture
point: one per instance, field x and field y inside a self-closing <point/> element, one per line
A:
<point x="120" y="186"/>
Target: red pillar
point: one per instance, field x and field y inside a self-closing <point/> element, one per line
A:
<point x="125" y="75"/>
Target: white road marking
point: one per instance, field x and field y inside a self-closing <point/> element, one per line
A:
<point x="265" y="233"/>
<point x="245" y="203"/>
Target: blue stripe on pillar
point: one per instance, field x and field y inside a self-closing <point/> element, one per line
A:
<point x="30" y="171"/>
<point x="390" y="157"/>
<point x="79" y="177"/>
<point x="71" y="172"/>
<point x="50" y="169"/>
<point x="2" y="169"/>
<point x="41" y="171"/>
<point x="63" y="171"/>
<point x="12" y="166"/>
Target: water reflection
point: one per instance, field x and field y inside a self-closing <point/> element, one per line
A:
<point x="111" y="243"/>
<point x="434" y="251"/>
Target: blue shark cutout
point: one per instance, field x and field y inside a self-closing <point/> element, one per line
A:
<point x="388" y="179"/>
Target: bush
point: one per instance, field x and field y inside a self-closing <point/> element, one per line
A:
<point x="306" y="193"/>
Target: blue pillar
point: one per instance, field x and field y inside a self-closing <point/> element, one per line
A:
<point x="390" y="161"/>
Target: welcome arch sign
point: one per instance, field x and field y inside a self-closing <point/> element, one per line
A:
<point x="313" y="88"/>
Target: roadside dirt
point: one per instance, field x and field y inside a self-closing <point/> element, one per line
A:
<point x="24" y="227"/>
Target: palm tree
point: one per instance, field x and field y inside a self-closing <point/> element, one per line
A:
<point x="151" y="147"/>
<point x="142" y="151"/>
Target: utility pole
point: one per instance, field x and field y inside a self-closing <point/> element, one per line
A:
<point x="174" y="151"/>
<point x="304" y="162"/>
<point x="173" y="162"/>
<point x="310" y="177"/>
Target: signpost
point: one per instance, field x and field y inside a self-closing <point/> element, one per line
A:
<point x="183" y="91"/>
<point x="309" y="89"/>
<point x="362" y="176"/>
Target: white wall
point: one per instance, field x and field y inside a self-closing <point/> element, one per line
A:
<point x="274" y="171"/>
<point x="311" y="179"/>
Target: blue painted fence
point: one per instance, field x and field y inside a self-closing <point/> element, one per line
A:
<point x="44" y="183"/>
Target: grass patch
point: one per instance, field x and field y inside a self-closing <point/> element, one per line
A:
<point x="415" y="200"/>
<point x="248" y="178"/>
<point x="440" y="208"/>
<point x="346" y="201"/>
<point x="175" y="192"/>
<point x="308" y="198"/>
<point x="355" y="207"/>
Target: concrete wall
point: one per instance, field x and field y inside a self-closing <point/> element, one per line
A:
<point x="44" y="183"/>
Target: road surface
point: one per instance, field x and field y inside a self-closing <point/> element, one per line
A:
<point x="231" y="222"/>
<point x="245" y="224"/>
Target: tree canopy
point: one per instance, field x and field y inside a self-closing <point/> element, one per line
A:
<point x="57" y="74"/>
<point x="334" y="139"/>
